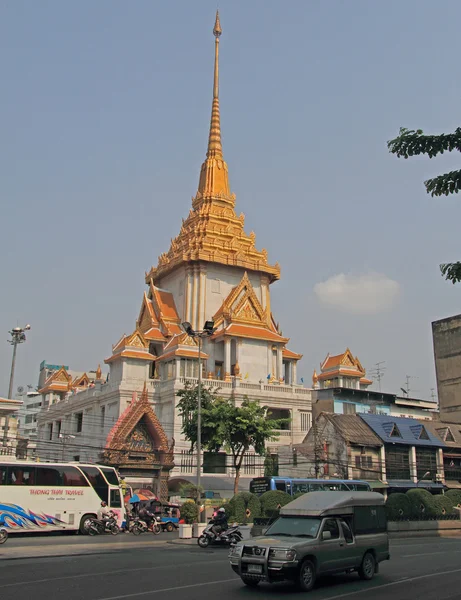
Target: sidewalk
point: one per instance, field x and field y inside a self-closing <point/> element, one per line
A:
<point x="10" y="551"/>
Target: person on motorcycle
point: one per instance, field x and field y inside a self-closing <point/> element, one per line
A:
<point x="104" y="513"/>
<point x="146" y="515"/>
<point x="220" y="522"/>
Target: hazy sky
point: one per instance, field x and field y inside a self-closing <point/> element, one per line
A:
<point x="104" y="116"/>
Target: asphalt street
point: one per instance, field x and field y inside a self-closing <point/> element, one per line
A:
<point x="122" y="569"/>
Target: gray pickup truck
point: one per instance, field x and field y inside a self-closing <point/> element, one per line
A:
<point x="320" y="533"/>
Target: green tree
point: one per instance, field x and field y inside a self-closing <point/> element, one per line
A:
<point x="236" y="429"/>
<point x="413" y="143"/>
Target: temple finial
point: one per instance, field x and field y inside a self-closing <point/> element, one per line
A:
<point x="217" y="26"/>
<point x="214" y="139"/>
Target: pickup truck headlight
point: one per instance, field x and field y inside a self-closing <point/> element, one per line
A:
<point x="234" y="551"/>
<point x="282" y="554"/>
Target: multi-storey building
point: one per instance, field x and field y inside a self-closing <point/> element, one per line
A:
<point x="212" y="270"/>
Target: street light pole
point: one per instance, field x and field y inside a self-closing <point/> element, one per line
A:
<point x="207" y="331"/>
<point x="18" y="336"/>
<point x="199" y="416"/>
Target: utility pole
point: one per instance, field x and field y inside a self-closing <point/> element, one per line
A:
<point x="18" y="336"/>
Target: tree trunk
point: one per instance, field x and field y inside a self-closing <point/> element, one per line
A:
<point x="236" y="480"/>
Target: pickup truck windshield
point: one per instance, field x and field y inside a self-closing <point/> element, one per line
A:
<point x="295" y="527"/>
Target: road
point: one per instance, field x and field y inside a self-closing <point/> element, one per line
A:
<point x="121" y="569"/>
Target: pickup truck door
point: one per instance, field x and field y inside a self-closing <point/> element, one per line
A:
<point x="333" y="552"/>
<point x="351" y="551"/>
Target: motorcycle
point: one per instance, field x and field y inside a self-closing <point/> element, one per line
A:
<point x="228" y="537"/>
<point x="139" y="526"/>
<point x="98" y="527"/>
<point x="3" y="535"/>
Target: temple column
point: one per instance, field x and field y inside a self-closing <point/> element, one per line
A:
<point x="188" y="292"/>
<point x="201" y="297"/>
<point x="227" y="358"/>
<point x="193" y="316"/>
<point x="279" y="363"/>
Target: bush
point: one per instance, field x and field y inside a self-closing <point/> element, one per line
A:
<point x="455" y="496"/>
<point x="189" y="512"/>
<point x="244" y="507"/>
<point x="271" y="502"/>
<point x="398" y="506"/>
<point x="444" y="505"/>
<point x="422" y="502"/>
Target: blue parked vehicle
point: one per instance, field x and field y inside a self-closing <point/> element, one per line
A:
<point x="169" y="515"/>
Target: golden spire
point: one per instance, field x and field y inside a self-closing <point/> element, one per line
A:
<point x="214" y="139"/>
<point x="214" y="179"/>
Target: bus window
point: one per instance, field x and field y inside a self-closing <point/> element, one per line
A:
<point x="2" y="475"/>
<point x="361" y="487"/>
<point x="110" y="475"/>
<point x="280" y="485"/>
<point x="115" y="499"/>
<point x="72" y="477"/>
<point x="300" y="488"/>
<point x="316" y="487"/>
<point x="48" y="476"/>
<point x="97" y="481"/>
<point x="21" y="476"/>
<point x="333" y="487"/>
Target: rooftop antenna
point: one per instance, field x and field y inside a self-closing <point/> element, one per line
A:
<point x="378" y="372"/>
<point x="407" y="385"/>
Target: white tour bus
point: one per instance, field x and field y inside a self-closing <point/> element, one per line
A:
<point x="37" y="496"/>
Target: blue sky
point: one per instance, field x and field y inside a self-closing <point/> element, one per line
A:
<point x="104" y="116"/>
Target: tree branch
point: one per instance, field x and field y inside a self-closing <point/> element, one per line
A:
<point x="412" y="143"/>
<point x="443" y="185"/>
<point x="451" y="271"/>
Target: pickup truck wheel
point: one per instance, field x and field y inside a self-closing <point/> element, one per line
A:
<point x="306" y="577"/>
<point x="368" y="566"/>
<point x="250" y="582"/>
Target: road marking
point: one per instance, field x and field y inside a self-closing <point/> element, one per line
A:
<point x="374" y="587"/>
<point x="426" y="554"/>
<point x="86" y="575"/>
<point x="172" y="589"/>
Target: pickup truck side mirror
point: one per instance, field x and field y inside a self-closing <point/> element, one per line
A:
<point x="326" y="535"/>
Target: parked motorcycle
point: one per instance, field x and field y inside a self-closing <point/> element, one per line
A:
<point x="97" y="527"/>
<point x="3" y="535"/>
<point x="228" y="537"/>
<point x="139" y="526"/>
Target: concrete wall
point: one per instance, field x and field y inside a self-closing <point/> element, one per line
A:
<point x="446" y="335"/>
<point x="407" y="529"/>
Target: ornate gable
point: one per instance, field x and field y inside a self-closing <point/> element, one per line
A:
<point x="347" y="359"/>
<point x="147" y="318"/>
<point x="242" y="305"/>
<point x="137" y="340"/>
<point x="62" y="376"/>
<point x="139" y="431"/>
<point x="81" y="381"/>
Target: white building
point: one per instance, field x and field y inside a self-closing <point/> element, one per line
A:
<point x="212" y="270"/>
<point x="9" y="410"/>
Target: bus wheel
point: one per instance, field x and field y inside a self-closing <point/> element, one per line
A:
<point x="84" y="524"/>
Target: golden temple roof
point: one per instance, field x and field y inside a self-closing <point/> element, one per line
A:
<point x="212" y="231"/>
